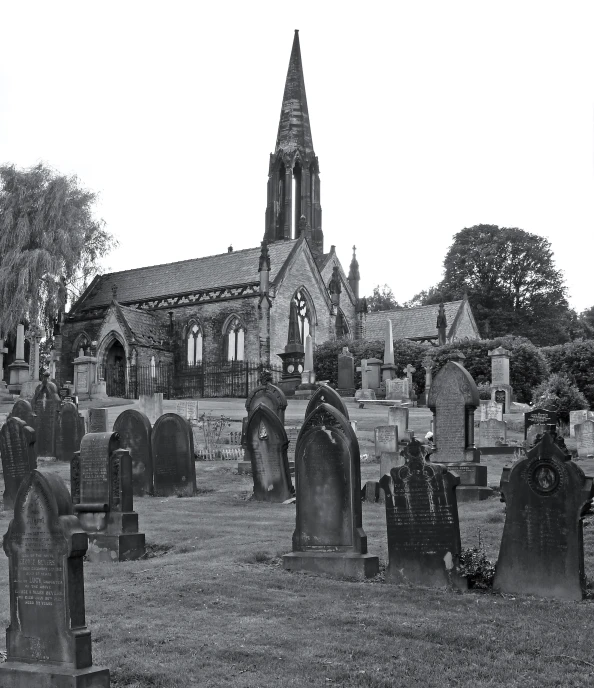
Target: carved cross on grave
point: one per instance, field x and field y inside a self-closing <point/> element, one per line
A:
<point x="364" y="369"/>
<point x="409" y="370"/>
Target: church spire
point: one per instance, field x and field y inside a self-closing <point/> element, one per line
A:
<point x="294" y="173"/>
<point x="294" y="131"/>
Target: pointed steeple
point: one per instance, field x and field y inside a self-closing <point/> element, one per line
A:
<point x="294" y="130"/>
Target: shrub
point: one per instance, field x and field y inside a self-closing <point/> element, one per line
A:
<point x="575" y="359"/>
<point x="474" y="564"/>
<point x="559" y="394"/>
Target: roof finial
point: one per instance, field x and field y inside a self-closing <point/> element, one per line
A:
<point x="114" y="291"/>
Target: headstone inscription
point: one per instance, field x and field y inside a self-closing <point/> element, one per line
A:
<point x="270" y="395"/>
<point x="326" y="395"/>
<point x="398" y="416"/>
<point x="329" y="536"/>
<point x="266" y="448"/>
<point x="492" y="432"/>
<point x="541" y="552"/>
<point x="47" y="642"/>
<point x="584" y="437"/>
<point x="18" y="456"/>
<point x="578" y="417"/>
<point x="386" y="439"/>
<point x="70" y="431"/>
<point x="422" y="522"/>
<point x="134" y="429"/>
<point x="98" y="419"/>
<point x="173" y="456"/>
<point x="545" y="419"/>
<point x="398" y="389"/>
<point x="491" y="409"/>
<point x="187" y="409"/>
<point x="101" y="486"/>
<point x="46" y="406"/>
<point x="22" y="409"/>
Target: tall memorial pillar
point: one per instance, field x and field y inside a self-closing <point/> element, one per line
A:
<point x="501" y="391"/>
<point x="18" y="370"/>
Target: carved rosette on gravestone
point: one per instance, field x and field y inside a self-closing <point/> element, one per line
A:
<point x="329" y="536"/>
<point x="584" y="438"/>
<point x="70" y="431"/>
<point x="22" y="409"/>
<point x="492" y="433"/>
<point x="326" y="395"/>
<point x="422" y="522"/>
<point x="174" y="464"/>
<point x="46" y="406"/>
<point x="47" y="642"/>
<point x="268" y="395"/>
<point x="98" y="419"/>
<point x="17" y="442"/>
<point x="267" y="450"/>
<point x="101" y="485"/>
<point x="134" y="429"/>
<point x="541" y="553"/>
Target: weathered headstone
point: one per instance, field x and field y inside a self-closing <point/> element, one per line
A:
<point x="269" y="395"/>
<point x="584" y="437"/>
<point x="186" y="409"/>
<point x="101" y="487"/>
<point x="329" y="536"/>
<point x="173" y="456"/>
<point x="388" y="461"/>
<point x="501" y="390"/>
<point x="492" y="432"/>
<point x="375" y="374"/>
<point x="22" y="409"/>
<point x="48" y="644"/>
<point x="46" y="406"/>
<point x="365" y="392"/>
<point x="326" y="395"/>
<point x="576" y="417"/>
<point x="541" y="550"/>
<point x="422" y="522"/>
<point x="491" y="409"/>
<point x="134" y="429"/>
<point x="386" y="439"/>
<point x="346" y="372"/>
<point x="398" y="416"/>
<point x="398" y="389"/>
<point x="18" y="456"/>
<point x="152" y="406"/>
<point x="70" y="431"/>
<point x="98" y="419"/>
<point x="538" y="421"/>
<point x="266" y="448"/>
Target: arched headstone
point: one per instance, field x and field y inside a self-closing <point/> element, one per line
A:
<point x="326" y="395"/>
<point x="18" y="456"/>
<point x="134" y="429"/>
<point x="269" y="395"/>
<point x="266" y="448"/>
<point x="47" y="641"/>
<point x="173" y="456"/>
<point x="329" y="536"/>
<point x="46" y="406"/>
<point x="22" y="409"/>
<point x="70" y="431"/>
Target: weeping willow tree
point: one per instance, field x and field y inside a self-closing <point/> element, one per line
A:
<point x="50" y="244"/>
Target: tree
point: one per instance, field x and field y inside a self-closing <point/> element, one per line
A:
<point x="50" y="244"/>
<point x="512" y="283"/>
<point x="382" y="299"/>
<point x="559" y="394"/>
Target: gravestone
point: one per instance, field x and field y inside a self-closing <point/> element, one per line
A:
<point x="134" y="429"/>
<point x="492" y="432"/>
<point x="186" y="409"/>
<point x="266" y="448"/>
<point x="584" y="437"/>
<point x="173" y="456"/>
<point x="422" y="522"/>
<point x="453" y="399"/>
<point x="491" y="409"/>
<point x="98" y="419"/>
<point x="398" y="389"/>
<point x="101" y="487"/>
<point x="329" y="536"/>
<point x="70" y="431"/>
<point x="375" y="373"/>
<point x="386" y="439"/>
<point x="346" y="373"/>
<point x="46" y="406"/>
<point x="18" y="456"/>
<point x="545" y="420"/>
<point x="501" y="391"/>
<point x="269" y="395"/>
<point x="152" y="406"/>
<point x="398" y="416"/>
<point x="574" y="418"/>
<point x="292" y="435"/>
<point x="326" y="395"/>
<point x="365" y="392"/>
<point x="541" y="550"/>
<point x="48" y="644"/>
<point x="22" y="409"/>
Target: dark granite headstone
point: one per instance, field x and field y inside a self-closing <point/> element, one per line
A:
<point x="46" y="406"/>
<point x="543" y="417"/>
<point x="541" y="550"/>
<point x="98" y="419"/>
<point x="422" y="522"/>
<point x="70" y="431"/>
<point x="326" y="395"/>
<point x="346" y="371"/>
<point x="48" y="644"/>
<point x="18" y="456"/>
<point x="22" y="409"/>
<point x="268" y="395"/>
<point x="329" y="536"/>
<point x="101" y="486"/>
<point x="173" y="456"/>
<point x="134" y="429"/>
<point x="266" y="448"/>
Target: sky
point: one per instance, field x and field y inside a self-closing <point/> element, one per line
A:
<point x="427" y="117"/>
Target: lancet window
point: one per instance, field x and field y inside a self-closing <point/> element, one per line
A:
<point x="234" y="335"/>
<point x="194" y="344"/>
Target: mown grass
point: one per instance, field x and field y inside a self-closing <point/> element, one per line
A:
<point x="212" y="606"/>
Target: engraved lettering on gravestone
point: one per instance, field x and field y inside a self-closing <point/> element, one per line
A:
<point x="94" y="480"/>
<point x="82" y="378"/>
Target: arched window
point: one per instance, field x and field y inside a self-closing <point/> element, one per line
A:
<point x="234" y="335"/>
<point x="304" y="315"/>
<point x="342" y="326"/>
<point x="194" y="344"/>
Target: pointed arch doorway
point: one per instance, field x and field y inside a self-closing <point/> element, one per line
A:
<point x="115" y="369"/>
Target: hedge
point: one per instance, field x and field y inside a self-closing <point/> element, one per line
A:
<point x="576" y="360"/>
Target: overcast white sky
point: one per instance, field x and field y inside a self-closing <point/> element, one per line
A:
<point x="427" y="117"/>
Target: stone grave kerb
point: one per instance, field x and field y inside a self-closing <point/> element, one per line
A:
<point x="326" y="395"/>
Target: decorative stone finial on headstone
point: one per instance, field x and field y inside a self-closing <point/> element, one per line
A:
<point x="441" y="324"/>
<point x="114" y="291"/>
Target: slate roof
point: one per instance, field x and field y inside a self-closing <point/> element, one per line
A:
<point x="411" y="323"/>
<point x="147" y="329"/>
<point x="210" y="272"/>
